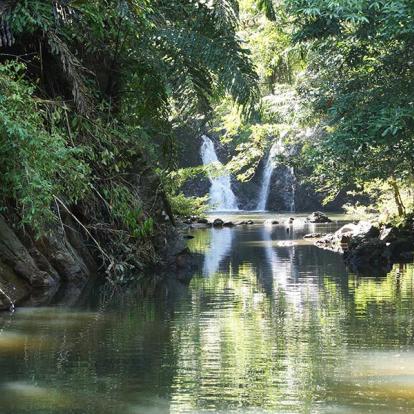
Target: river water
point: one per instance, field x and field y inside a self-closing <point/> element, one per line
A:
<point x="268" y="324"/>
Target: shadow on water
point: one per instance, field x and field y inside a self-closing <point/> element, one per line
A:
<point x="268" y="324"/>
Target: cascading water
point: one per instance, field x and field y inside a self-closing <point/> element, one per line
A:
<point x="222" y="197"/>
<point x="267" y="175"/>
<point x="278" y="148"/>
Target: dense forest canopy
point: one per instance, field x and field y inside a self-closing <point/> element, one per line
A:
<point x="336" y="79"/>
<point x="94" y="84"/>
<point x="94" y="90"/>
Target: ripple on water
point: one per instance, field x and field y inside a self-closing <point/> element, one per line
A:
<point x="270" y="326"/>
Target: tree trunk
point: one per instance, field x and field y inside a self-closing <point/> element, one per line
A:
<point x="397" y="197"/>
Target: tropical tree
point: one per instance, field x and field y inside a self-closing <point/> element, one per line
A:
<point x="93" y="91"/>
<point x="360" y="84"/>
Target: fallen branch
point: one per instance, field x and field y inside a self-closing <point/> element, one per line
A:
<point x="109" y="258"/>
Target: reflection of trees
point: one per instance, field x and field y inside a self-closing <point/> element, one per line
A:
<point x="382" y="309"/>
<point x="229" y="341"/>
<point x="240" y="347"/>
<point x="247" y="349"/>
<point x="90" y="362"/>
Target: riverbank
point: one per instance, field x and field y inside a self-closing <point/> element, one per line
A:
<point x="370" y="248"/>
<point x="87" y="242"/>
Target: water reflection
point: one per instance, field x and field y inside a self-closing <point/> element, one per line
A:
<point x="219" y="247"/>
<point x="273" y="329"/>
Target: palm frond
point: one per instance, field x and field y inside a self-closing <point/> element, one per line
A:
<point x="74" y="71"/>
<point x="268" y="8"/>
<point x="6" y="35"/>
<point x="214" y="64"/>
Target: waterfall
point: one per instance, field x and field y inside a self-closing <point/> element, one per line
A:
<point x="278" y="148"/>
<point x="221" y="195"/>
<point x="267" y="174"/>
<point x="291" y="178"/>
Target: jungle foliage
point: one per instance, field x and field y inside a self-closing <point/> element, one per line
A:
<point x="349" y="66"/>
<point x="359" y="82"/>
<point x="91" y="92"/>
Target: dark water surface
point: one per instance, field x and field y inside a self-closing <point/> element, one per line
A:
<point x="270" y="324"/>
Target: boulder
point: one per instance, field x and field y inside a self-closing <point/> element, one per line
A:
<point x="318" y="217"/>
<point x="355" y="233"/>
<point x="218" y="222"/>
<point x="367" y="249"/>
<point x="228" y="224"/>
<point x="365" y="230"/>
<point x="202" y="220"/>
<point x="349" y="236"/>
<point x="249" y="222"/>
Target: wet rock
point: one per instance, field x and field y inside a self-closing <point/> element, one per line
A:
<point x="350" y="233"/>
<point x="202" y="220"/>
<point x="318" y="217"/>
<point x="249" y="222"/>
<point x="188" y="237"/>
<point x="218" y="222"/>
<point x="368" y="258"/>
<point x="389" y="234"/>
<point x="366" y="249"/>
<point x="400" y="248"/>
<point x="365" y="230"/>
<point x="228" y="224"/>
<point x="314" y="235"/>
<point x="187" y="221"/>
<point x="185" y="266"/>
<point x="241" y="223"/>
<point x="271" y="222"/>
<point x="15" y="255"/>
<point x="181" y="259"/>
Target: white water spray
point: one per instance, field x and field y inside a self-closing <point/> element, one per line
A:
<point x="222" y="197"/>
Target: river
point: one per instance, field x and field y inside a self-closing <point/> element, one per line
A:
<point x="268" y="324"/>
